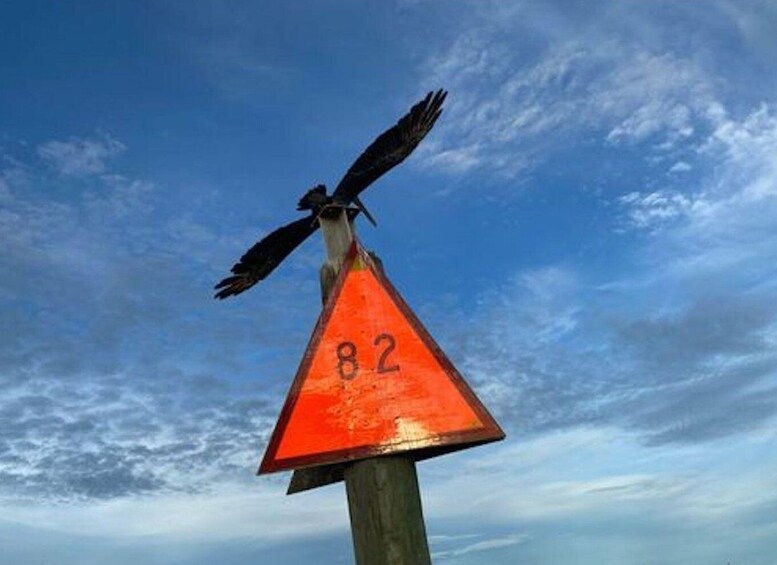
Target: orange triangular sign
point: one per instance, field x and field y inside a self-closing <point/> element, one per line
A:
<point x="373" y="382"/>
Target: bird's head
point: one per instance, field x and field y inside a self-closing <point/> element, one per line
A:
<point x="314" y="198"/>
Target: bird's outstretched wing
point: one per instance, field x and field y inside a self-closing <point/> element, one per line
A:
<point x="264" y="256"/>
<point x="391" y="147"/>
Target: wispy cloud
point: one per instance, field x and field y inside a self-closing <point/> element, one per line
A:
<point x="730" y="198"/>
<point x="655" y="208"/>
<point x="119" y="435"/>
<point x="80" y="157"/>
<point x="591" y="474"/>
<point x="481" y="546"/>
<point x="509" y="111"/>
<point x="228" y="511"/>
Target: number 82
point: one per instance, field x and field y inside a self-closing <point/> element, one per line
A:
<point x="348" y="364"/>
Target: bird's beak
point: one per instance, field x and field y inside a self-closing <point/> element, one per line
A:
<point x="363" y="209"/>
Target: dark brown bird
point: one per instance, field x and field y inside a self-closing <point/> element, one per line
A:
<point x="387" y="151"/>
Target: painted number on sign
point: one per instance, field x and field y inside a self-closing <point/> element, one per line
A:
<point x="348" y="364"/>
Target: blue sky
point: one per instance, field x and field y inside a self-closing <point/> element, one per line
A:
<point x="590" y="232"/>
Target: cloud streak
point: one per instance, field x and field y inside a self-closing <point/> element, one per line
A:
<point x="481" y="546"/>
<point x="80" y="157"/>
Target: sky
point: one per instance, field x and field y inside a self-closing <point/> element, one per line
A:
<point x="590" y="233"/>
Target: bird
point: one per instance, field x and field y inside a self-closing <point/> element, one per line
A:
<point x="387" y="151"/>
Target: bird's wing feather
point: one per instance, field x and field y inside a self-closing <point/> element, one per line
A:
<point x="264" y="256"/>
<point x="391" y="147"/>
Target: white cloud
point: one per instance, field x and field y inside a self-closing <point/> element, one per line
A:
<point x="482" y="546"/>
<point x="736" y="201"/>
<point x="458" y="160"/>
<point x="747" y="148"/>
<point x="80" y="157"/>
<point x="648" y="210"/>
<point x="599" y="474"/>
<point x="725" y="224"/>
<point x="258" y="512"/>
<point x="680" y="167"/>
<point x="504" y="107"/>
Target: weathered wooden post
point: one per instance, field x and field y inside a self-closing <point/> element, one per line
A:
<point x="387" y="523"/>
